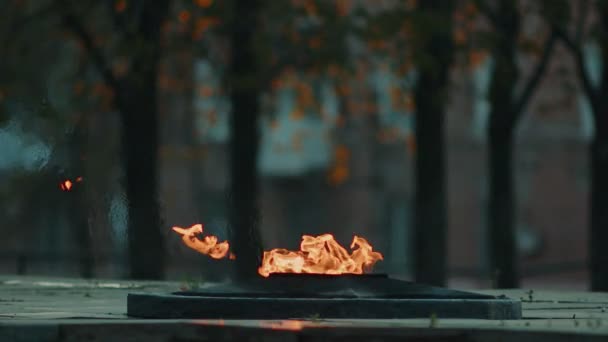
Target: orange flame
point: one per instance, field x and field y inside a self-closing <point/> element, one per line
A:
<point x="66" y="185"/>
<point x="208" y="246"/>
<point x="321" y="255"/>
<point x="318" y="254"/>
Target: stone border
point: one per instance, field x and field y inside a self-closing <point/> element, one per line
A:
<point x="147" y="305"/>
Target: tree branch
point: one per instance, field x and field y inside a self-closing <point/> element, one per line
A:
<point x="71" y="22"/>
<point x="579" y="61"/>
<point x="539" y="70"/>
<point x="487" y="11"/>
<point x="583" y="6"/>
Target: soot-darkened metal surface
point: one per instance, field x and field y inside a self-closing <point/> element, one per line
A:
<point x="326" y="296"/>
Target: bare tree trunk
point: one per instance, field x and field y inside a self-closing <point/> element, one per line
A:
<point x="598" y="149"/>
<point x="137" y="100"/>
<point x="506" y="109"/>
<point x="502" y="123"/>
<point x="430" y="96"/>
<point x="598" y="156"/>
<point x="501" y="208"/>
<point x="78" y="205"/>
<point x="140" y="142"/>
<point x="598" y="215"/>
<point x="244" y="141"/>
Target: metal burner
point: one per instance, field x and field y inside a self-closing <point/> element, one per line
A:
<point x="307" y="295"/>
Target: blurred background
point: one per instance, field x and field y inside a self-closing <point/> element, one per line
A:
<point x="466" y="140"/>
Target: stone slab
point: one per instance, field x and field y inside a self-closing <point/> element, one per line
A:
<point x="145" y="305"/>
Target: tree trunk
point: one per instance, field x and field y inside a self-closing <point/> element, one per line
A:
<point x="430" y="96"/>
<point x="78" y="204"/>
<point x="140" y="140"/>
<point x="598" y="182"/>
<point x="81" y="235"/>
<point x="598" y="191"/>
<point x="245" y="235"/>
<point x="137" y="99"/>
<point x="501" y="207"/>
<point x="501" y="126"/>
<point x="430" y="201"/>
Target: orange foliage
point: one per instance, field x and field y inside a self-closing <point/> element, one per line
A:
<point x="103" y="92"/>
<point x="314" y="43"/>
<point x="339" y="172"/>
<point x="411" y="4"/>
<point x="274" y="124"/>
<point x="205" y="91"/>
<point x="342" y="154"/>
<point x="276" y="83"/>
<point x="305" y="96"/>
<point x="471" y="9"/>
<point x="476" y="57"/>
<point x="459" y="36"/>
<point x="297" y="114"/>
<point x="212" y="117"/>
<point x="204" y="3"/>
<point x="410" y="104"/>
<point x="120" y="68"/>
<point x="120" y="5"/>
<point x="340" y="121"/>
<point x="387" y="135"/>
<point x="410" y="142"/>
<point x="202" y="25"/>
<point x="338" y="175"/>
<point x="458" y="16"/>
<point x="377" y="44"/>
<point x="333" y="70"/>
<point x="343" y="90"/>
<point x="310" y="7"/>
<point x="184" y="16"/>
<point x="343" y="7"/>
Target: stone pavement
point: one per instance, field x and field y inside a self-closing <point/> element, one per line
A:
<point x="60" y="309"/>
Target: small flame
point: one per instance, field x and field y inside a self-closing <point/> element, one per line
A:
<point x="208" y="246"/>
<point x="66" y="185"/>
<point x="320" y="255"/>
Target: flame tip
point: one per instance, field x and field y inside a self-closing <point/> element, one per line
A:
<point x="208" y="245"/>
